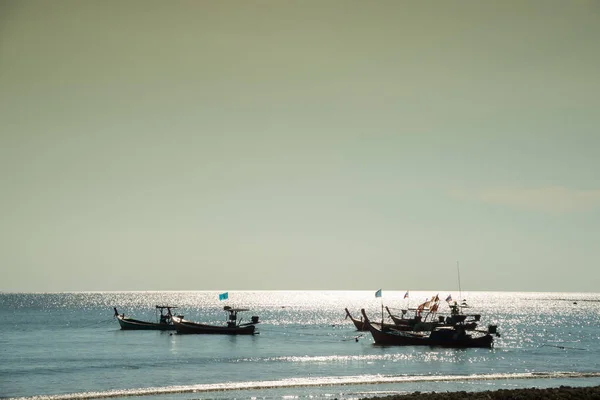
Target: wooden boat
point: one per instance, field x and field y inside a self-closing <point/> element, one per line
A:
<point x="419" y="324"/>
<point x="233" y="327"/>
<point x="360" y="325"/>
<point x="424" y="316"/>
<point x="449" y="336"/>
<point x="469" y="321"/>
<point x="416" y="323"/>
<point x="164" y="320"/>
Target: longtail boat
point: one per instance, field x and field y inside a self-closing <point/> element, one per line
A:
<point x="233" y="327"/>
<point x="424" y="318"/>
<point x="360" y="325"/>
<point x="458" y="317"/>
<point x="449" y="336"/>
<point x="164" y="321"/>
<point x="411" y="324"/>
<point x="469" y="321"/>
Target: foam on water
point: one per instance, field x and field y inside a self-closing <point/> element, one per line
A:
<point x="307" y="382"/>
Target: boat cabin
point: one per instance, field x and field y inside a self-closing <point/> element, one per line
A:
<point x="232" y="320"/>
<point x="164" y="314"/>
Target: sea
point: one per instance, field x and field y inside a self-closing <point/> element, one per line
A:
<point x="70" y="346"/>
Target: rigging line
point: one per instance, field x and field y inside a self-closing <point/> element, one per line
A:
<point x="294" y="340"/>
<point x="335" y="338"/>
<point x="355" y="338"/>
<point x="94" y="323"/>
<point x="563" y="347"/>
<point x="296" y="333"/>
<point x="396" y="308"/>
<point x="459" y="288"/>
<point x="307" y="338"/>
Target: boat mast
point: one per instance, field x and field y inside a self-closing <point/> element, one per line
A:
<point x="459" y="289"/>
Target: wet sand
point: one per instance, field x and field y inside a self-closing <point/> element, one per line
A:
<point x="559" y="393"/>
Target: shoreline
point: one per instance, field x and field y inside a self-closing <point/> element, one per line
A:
<point x="557" y="393"/>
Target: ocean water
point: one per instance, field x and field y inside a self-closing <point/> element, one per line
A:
<point x="69" y="346"/>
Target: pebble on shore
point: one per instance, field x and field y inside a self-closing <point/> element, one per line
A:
<point x="560" y="393"/>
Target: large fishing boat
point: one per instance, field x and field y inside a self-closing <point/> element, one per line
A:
<point x="163" y="323"/>
<point x="431" y="320"/>
<point x="233" y="327"/>
<point x="360" y="325"/>
<point x="448" y="336"/>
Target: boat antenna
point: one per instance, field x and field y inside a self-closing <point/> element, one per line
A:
<point x="378" y="294"/>
<point x="459" y="289"/>
<point x="382" y="313"/>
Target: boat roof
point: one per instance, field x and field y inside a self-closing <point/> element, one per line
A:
<point x="230" y="309"/>
<point x="166" y="307"/>
<point x="445" y="328"/>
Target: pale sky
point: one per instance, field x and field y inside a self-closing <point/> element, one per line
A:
<point x="267" y="145"/>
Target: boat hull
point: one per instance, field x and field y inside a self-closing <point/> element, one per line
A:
<point x="454" y="340"/>
<point x="444" y="337"/>
<point x="358" y="323"/>
<point x="189" y="327"/>
<point x="130" y="324"/>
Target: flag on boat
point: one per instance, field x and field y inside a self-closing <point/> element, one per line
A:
<point x="224" y="296"/>
<point x="449" y="298"/>
<point x="378" y="293"/>
<point x="423" y="306"/>
<point x="406" y="295"/>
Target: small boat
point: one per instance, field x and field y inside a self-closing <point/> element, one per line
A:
<point x="164" y="320"/>
<point x="469" y="321"/>
<point x="360" y="325"/>
<point x="424" y="319"/>
<point x="449" y="336"/>
<point x="233" y="327"/>
<point x="419" y="324"/>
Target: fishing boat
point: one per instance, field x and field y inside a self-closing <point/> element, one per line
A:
<point x="419" y="324"/>
<point x="469" y="321"/>
<point x="233" y="327"/>
<point x="416" y="323"/>
<point x="448" y="336"/>
<point x="163" y="323"/>
<point x="424" y="318"/>
<point x="360" y="325"/>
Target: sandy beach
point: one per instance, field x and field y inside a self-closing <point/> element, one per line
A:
<point x="559" y="393"/>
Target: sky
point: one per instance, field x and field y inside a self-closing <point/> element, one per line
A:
<point x="299" y="145"/>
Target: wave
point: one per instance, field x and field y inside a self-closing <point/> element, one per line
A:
<point x="307" y="382"/>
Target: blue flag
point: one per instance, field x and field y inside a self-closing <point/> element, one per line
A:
<point x="378" y="293"/>
<point x="224" y="296"/>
